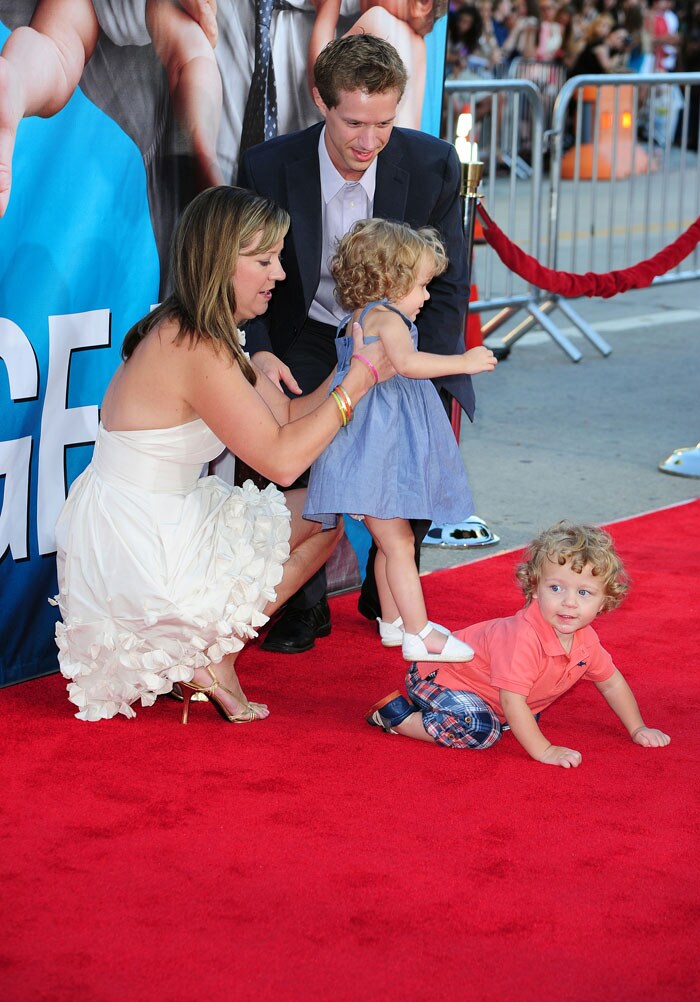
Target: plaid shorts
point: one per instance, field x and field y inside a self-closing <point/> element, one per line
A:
<point x="453" y="717"/>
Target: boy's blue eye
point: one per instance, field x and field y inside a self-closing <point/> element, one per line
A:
<point x="555" y="587"/>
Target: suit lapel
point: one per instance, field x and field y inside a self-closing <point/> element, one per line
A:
<point x="391" y="191"/>
<point x="304" y="193"/>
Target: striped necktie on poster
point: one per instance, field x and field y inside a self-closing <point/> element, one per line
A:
<point x="260" y="116"/>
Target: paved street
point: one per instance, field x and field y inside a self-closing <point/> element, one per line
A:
<point x="556" y="439"/>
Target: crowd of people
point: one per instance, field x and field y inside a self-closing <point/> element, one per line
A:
<point x="638" y="35"/>
<point x="498" y="38"/>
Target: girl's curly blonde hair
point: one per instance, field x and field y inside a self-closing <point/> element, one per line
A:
<point x="580" y="546"/>
<point x="378" y="259"/>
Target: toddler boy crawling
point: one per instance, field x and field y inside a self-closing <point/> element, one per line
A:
<point x="522" y="663"/>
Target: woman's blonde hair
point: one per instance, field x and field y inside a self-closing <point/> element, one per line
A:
<point x="379" y="259"/>
<point x="216" y="228"/>
<point x="593" y="32"/>
<point x="580" y="546"/>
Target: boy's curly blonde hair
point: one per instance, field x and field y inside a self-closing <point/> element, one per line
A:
<point x="378" y="259"/>
<point x="580" y="546"/>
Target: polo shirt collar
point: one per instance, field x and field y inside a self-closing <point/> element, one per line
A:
<point x="551" y="643"/>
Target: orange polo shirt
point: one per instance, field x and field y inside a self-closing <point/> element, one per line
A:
<point x="523" y="654"/>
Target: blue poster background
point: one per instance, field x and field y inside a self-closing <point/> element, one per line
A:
<point x="78" y="266"/>
<point x="76" y="238"/>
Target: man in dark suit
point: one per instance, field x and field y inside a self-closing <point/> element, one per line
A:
<point x="352" y="166"/>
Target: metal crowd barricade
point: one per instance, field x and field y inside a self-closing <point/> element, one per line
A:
<point x="616" y="200"/>
<point x="512" y="196"/>
<point x="549" y="78"/>
<point x="505" y="187"/>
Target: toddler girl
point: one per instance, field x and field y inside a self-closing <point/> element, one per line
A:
<point x="398" y="459"/>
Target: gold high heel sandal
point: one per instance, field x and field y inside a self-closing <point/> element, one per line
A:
<point x="189" y="689"/>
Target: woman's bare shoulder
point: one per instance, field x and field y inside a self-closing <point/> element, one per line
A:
<point x="160" y="383"/>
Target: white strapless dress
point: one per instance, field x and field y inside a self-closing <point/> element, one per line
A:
<point x="160" y="570"/>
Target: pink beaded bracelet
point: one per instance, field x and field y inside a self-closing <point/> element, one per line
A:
<point x="369" y="365"/>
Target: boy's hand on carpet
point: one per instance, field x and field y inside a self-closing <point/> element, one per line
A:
<point x="650" y="737"/>
<point x="567" y="758"/>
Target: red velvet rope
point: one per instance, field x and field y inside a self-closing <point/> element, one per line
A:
<point x="638" y="276"/>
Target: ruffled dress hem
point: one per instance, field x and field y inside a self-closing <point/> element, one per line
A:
<point x="111" y="663"/>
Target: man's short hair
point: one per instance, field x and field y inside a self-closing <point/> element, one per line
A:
<point x="358" y="62"/>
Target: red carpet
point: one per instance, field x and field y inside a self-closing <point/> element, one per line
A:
<point x="312" y="857"/>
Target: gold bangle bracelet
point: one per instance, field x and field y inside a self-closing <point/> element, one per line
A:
<point x="348" y="402"/>
<point x="341" y="407"/>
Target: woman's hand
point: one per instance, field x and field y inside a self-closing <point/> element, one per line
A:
<point x="374" y="354"/>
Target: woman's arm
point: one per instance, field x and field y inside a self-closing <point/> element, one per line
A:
<point x="411" y="47"/>
<point x="523" y="38"/>
<point x="286" y="410"/>
<point x="323" y="32"/>
<point x="607" y="61"/>
<point x="277" y="437"/>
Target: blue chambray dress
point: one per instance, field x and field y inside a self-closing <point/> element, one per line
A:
<point x="397" y="458"/>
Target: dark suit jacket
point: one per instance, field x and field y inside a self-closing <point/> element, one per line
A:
<point x="418" y="182"/>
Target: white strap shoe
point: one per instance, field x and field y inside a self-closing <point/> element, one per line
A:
<point x="413" y="646"/>
<point x="391" y="634"/>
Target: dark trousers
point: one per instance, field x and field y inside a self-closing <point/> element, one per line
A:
<point x="311" y="358"/>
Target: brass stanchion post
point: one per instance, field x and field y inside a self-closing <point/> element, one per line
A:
<point x="471" y="179"/>
<point x="473" y="531"/>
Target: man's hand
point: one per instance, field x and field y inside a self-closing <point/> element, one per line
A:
<point x="275" y="370"/>
<point x="204" y="13"/>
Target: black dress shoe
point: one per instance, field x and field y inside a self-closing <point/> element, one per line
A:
<point x="296" y="629"/>
<point x="367" y="608"/>
<point x="501" y="351"/>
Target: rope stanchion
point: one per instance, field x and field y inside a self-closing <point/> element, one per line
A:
<point x="563" y="283"/>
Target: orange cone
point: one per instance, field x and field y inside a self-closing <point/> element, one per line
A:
<point x="473" y="336"/>
<point x="616" y="145"/>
